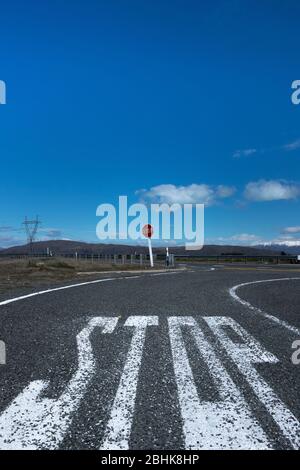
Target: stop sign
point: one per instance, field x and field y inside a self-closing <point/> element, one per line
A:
<point x="148" y="231"/>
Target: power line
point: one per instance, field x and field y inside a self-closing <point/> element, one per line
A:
<point x="31" y="228"/>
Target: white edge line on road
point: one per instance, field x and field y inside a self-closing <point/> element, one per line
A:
<point x="33" y="294"/>
<point x="55" y="289"/>
<point x="131" y="277"/>
<point x="163" y="274"/>
<point x="274" y="319"/>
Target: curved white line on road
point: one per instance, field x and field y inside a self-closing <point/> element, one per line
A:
<point x="274" y="319"/>
<point x="55" y="289"/>
<point x="33" y="294"/>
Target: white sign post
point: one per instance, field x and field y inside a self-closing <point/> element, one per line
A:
<point x="148" y="232"/>
<point x="150" y="253"/>
<point x="167" y="257"/>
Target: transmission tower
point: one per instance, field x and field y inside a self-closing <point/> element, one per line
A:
<point x="31" y="227"/>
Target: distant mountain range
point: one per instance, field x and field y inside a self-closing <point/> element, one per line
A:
<point x="58" y="247"/>
<point x="290" y="248"/>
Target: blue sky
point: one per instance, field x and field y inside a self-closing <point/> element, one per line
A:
<point x="105" y="98"/>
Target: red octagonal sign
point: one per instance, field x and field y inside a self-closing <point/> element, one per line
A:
<point x="148" y="231"/>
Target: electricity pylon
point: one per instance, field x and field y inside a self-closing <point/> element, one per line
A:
<point x="31" y="227"/>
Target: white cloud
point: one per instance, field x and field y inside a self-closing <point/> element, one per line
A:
<point x="6" y="228"/>
<point x="245" y="237"/>
<point x="271" y="190"/>
<point x="292" y="146"/>
<point x="225" y="191"/>
<point x="251" y="151"/>
<point x="282" y="242"/>
<point x="291" y="230"/>
<point x="238" y="239"/>
<point x="244" y="153"/>
<point x="192" y="194"/>
<point x="7" y="241"/>
<point x="51" y="233"/>
<point x="9" y="229"/>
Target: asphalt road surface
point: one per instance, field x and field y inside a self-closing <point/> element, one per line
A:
<point x="177" y="360"/>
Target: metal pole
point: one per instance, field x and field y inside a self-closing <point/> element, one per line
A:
<point x="150" y="252"/>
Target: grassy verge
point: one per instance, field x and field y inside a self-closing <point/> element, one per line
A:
<point x="41" y="272"/>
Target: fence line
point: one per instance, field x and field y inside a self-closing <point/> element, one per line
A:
<point x="142" y="258"/>
<point x="93" y="258"/>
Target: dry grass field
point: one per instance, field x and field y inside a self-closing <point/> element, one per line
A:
<point x="16" y="273"/>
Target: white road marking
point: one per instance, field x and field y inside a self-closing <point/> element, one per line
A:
<point x="131" y="277"/>
<point x="118" y="430"/>
<point x="55" y="289"/>
<point x="225" y="424"/>
<point x="80" y="284"/>
<point x="166" y="274"/>
<point x="33" y="422"/>
<point x="245" y="355"/>
<point x="274" y="319"/>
